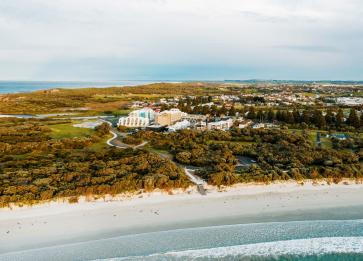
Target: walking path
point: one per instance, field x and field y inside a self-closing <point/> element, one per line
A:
<point x="196" y="180"/>
<point x="114" y="142"/>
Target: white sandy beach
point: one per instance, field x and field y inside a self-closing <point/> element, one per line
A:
<point x="60" y="223"/>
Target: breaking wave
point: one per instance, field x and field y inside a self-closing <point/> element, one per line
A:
<point x="326" y="248"/>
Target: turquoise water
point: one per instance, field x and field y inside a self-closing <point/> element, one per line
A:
<point x="28" y="86"/>
<point x="294" y="240"/>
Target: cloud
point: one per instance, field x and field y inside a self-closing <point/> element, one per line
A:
<point x="114" y="39"/>
<point x="310" y="48"/>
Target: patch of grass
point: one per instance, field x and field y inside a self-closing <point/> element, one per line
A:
<point x="121" y="112"/>
<point x="325" y="142"/>
<point x="20" y="157"/>
<point x="60" y="131"/>
<point x="101" y="144"/>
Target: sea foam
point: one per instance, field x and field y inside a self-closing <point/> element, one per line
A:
<point x="260" y="251"/>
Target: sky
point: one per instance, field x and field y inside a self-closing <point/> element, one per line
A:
<point x="181" y="39"/>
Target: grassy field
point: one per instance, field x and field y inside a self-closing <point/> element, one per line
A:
<point x="121" y="112"/>
<point x="325" y="142"/>
<point x="60" y="131"/>
<point x="101" y="144"/>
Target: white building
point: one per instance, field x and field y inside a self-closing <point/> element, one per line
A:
<point x="265" y="125"/>
<point x="258" y="126"/>
<point x="144" y="113"/>
<point x="350" y="101"/>
<point x="194" y="117"/>
<point x="133" y="121"/>
<point x="179" y="126"/>
<point x="220" y="125"/>
<point x="138" y="118"/>
<point x="244" y="124"/>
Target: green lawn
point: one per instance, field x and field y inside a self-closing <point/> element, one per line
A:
<point x="60" y="131"/>
<point x="325" y="142"/>
<point x="101" y="144"/>
<point x="121" y="112"/>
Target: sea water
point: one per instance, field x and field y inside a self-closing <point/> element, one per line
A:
<point x="29" y="86"/>
<point x="294" y="240"/>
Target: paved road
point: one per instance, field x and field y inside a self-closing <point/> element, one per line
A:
<point x="115" y="141"/>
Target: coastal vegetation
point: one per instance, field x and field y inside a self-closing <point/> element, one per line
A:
<point x="34" y="166"/>
<point x="96" y="100"/>
<point x="275" y="155"/>
<point x="49" y="158"/>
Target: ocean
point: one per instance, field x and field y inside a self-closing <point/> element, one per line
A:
<point x="28" y="86"/>
<point x="293" y="240"/>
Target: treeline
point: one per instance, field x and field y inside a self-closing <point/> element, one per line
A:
<point x="316" y="118"/>
<point x="322" y="119"/>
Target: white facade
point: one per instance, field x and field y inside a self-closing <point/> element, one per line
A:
<point x="350" y="101"/>
<point x="144" y="113"/>
<point x="244" y="124"/>
<point x="258" y="126"/>
<point x="194" y="117"/>
<point x="265" y="125"/>
<point x="133" y="122"/>
<point x="179" y="126"/>
<point x="220" y="125"/>
<point x="138" y="118"/>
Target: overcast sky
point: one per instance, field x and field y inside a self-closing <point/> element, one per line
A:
<point x="181" y="39"/>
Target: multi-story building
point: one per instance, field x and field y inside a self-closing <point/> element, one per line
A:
<point x="194" y="117"/>
<point x="168" y="117"/>
<point x="180" y="125"/>
<point x="220" y="125"/>
<point x="133" y="121"/>
<point x="138" y="118"/>
<point x="144" y="113"/>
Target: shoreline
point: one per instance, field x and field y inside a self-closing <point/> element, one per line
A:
<point x="57" y="223"/>
<point x="136" y="197"/>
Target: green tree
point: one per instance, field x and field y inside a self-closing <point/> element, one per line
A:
<point x="306" y="117"/>
<point x="232" y="111"/>
<point x="340" y="118"/>
<point x="103" y="129"/>
<point x="329" y="117"/>
<point x="271" y="115"/>
<point x="290" y="118"/>
<point x="319" y="120"/>
<point x="251" y="113"/>
<point x="353" y="118"/>
<point x="297" y="117"/>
